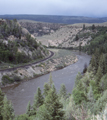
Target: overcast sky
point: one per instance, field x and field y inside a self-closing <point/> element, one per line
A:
<point x="90" y="8"/>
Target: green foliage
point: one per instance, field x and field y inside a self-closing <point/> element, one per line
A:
<point x="103" y="83"/>
<point x="52" y="106"/>
<point x="7" y="111"/>
<point x="6" y="79"/>
<point x="101" y="103"/>
<point x="1" y="103"/>
<point x="63" y="91"/>
<point x="9" y="50"/>
<point x="29" y="111"/>
<point x="46" y="89"/>
<point x="22" y="117"/>
<point x="10" y="27"/>
<point x="78" y="96"/>
<point x="38" y="101"/>
<point x="48" y="86"/>
<point x="78" y="77"/>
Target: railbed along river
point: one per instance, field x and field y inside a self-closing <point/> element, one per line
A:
<point x="22" y="93"/>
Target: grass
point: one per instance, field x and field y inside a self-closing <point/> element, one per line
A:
<point x="61" y="53"/>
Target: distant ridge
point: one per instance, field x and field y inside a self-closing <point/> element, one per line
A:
<point x="56" y="18"/>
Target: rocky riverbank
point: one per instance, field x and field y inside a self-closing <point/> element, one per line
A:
<point x="61" y="59"/>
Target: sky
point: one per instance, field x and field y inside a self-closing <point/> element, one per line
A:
<point x="88" y="8"/>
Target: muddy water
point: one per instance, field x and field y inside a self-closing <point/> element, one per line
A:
<point x="21" y="94"/>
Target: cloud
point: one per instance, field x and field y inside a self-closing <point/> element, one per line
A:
<point x="95" y="8"/>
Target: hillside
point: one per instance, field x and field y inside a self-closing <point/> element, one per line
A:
<point x="70" y="36"/>
<point x="17" y="45"/>
<point x="39" y="28"/>
<point x="56" y="19"/>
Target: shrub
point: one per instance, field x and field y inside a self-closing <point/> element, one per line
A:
<point x="16" y="78"/>
<point x="6" y="79"/>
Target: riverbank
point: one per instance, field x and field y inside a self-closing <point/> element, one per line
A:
<point x="21" y="94"/>
<point x="61" y="59"/>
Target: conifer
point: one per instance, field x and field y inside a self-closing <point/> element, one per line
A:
<point x="63" y="91"/>
<point x="1" y="103"/>
<point x="28" y="112"/>
<point x="39" y="100"/>
<point x="53" y="106"/>
<point x="7" y="111"/>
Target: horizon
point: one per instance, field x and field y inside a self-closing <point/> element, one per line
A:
<point x="52" y="15"/>
<point x="87" y="8"/>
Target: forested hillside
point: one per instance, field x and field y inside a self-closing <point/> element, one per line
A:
<point x="17" y="45"/>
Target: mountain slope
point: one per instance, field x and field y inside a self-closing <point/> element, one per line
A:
<point x="17" y="45"/>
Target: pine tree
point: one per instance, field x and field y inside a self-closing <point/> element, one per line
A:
<point x="78" y="77"/>
<point x="105" y="62"/>
<point x="76" y="38"/>
<point x="83" y="26"/>
<point x="39" y="100"/>
<point x="98" y="75"/>
<point x="93" y="27"/>
<point x="29" y="111"/>
<point x="48" y="86"/>
<point x="46" y="89"/>
<point x="102" y="64"/>
<point x="90" y="95"/>
<point x="1" y="103"/>
<point x="95" y="60"/>
<point x="63" y="91"/>
<point x="50" y="80"/>
<point x="7" y="111"/>
<point x="53" y="106"/>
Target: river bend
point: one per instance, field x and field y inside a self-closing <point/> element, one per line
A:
<point x="21" y="94"/>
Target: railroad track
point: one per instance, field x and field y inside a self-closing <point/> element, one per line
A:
<point x="30" y="64"/>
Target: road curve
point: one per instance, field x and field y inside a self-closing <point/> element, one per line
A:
<point x="30" y="64"/>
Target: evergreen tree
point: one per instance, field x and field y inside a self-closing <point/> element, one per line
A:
<point x="102" y="64"/>
<point x="39" y="100"/>
<point x="52" y="106"/>
<point x="90" y="95"/>
<point x="29" y="111"/>
<point x="83" y="26"/>
<point x="63" y="91"/>
<point x="46" y="89"/>
<point x="78" y="77"/>
<point x="105" y="62"/>
<point x="98" y="75"/>
<point x="76" y="38"/>
<point x="23" y="117"/>
<point x="7" y="111"/>
<point x="1" y="103"/>
<point x="93" y="27"/>
<point x="95" y="60"/>
<point x="50" y="81"/>
<point x="103" y="83"/>
<point x="48" y="86"/>
<point x="80" y="46"/>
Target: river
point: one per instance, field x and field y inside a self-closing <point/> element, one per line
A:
<point x="21" y="94"/>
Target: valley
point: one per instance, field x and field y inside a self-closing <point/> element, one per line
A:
<point x="59" y="49"/>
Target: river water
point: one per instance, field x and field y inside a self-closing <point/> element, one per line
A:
<point x="21" y="94"/>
